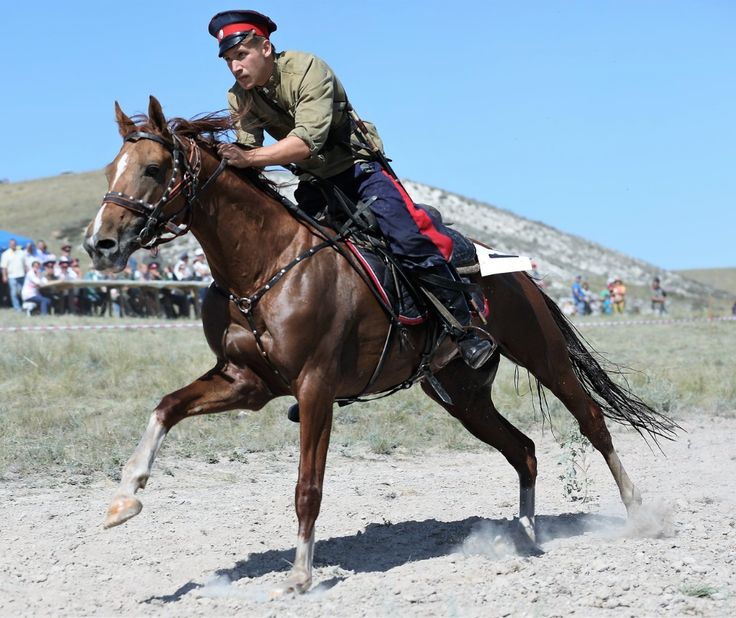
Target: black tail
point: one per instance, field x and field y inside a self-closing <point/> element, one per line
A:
<point x="617" y="403"/>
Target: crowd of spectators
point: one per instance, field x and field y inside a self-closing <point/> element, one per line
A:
<point x="25" y="272"/>
<point x="611" y="299"/>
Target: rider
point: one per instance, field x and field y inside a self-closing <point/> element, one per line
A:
<point x="300" y="102"/>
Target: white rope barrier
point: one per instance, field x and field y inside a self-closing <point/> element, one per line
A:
<point x="614" y="322"/>
<point x="180" y="325"/>
<point x="95" y="327"/>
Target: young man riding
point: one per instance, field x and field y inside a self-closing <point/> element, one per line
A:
<point x="297" y="99"/>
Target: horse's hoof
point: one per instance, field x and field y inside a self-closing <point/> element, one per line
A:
<point x="525" y="538"/>
<point x="121" y="510"/>
<point x="294" y="584"/>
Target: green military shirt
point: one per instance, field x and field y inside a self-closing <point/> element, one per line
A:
<point x="303" y="98"/>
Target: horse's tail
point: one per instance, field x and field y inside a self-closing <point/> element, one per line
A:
<point x="618" y="403"/>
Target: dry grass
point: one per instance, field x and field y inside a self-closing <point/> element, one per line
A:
<point x="77" y="402"/>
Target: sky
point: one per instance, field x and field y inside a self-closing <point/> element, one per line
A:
<point x="613" y="120"/>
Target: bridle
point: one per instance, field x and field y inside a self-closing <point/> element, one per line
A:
<point x="187" y="184"/>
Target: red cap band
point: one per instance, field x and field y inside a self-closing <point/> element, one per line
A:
<point x="234" y="28"/>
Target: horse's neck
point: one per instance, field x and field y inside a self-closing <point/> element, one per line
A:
<point x="243" y="231"/>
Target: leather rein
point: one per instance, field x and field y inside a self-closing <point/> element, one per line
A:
<point x="185" y="183"/>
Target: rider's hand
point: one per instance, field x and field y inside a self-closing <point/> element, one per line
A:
<point x="234" y="155"/>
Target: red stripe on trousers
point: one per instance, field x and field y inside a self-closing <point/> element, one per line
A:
<point x="424" y="222"/>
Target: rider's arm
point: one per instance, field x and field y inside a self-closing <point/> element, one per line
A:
<point x="291" y="149"/>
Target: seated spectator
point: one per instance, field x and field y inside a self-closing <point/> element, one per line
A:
<point x="93" y="299"/>
<point x="31" y="292"/>
<point x="68" y="297"/>
<point x="143" y="301"/>
<point x="618" y="295"/>
<point x="155" y="274"/>
<point x="201" y="271"/>
<point x="182" y="271"/>
<point x="51" y="273"/>
<point x="659" y="297"/>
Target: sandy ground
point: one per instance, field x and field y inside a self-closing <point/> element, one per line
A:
<point x="398" y="536"/>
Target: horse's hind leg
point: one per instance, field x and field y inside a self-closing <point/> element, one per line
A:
<point x="587" y="412"/>
<point x="218" y="390"/>
<point x="473" y="407"/>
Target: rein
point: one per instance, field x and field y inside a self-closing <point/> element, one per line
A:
<point x="157" y="223"/>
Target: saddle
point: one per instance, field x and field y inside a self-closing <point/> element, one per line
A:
<point x="396" y="289"/>
<point x="401" y="292"/>
<point x="406" y="301"/>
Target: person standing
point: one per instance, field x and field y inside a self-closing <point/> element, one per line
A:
<point x="618" y="294"/>
<point x="659" y="297"/>
<point x="298" y="100"/>
<point x="13" y="265"/>
<point x="578" y="295"/>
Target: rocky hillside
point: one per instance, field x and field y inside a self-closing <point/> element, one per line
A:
<point x="59" y="208"/>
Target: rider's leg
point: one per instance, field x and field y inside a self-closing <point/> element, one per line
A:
<point x="423" y="246"/>
<point x="474" y="350"/>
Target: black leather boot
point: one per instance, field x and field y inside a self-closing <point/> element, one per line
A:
<point x="474" y="349"/>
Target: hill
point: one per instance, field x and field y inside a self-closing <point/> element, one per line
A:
<point x="59" y="208"/>
<point x="719" y="278"/>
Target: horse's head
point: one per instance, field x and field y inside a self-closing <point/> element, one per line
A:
<point x="144" y="181"/>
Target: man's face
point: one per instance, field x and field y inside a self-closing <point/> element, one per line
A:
<point x="250" y="63"/>
<point x="12" y="244"/>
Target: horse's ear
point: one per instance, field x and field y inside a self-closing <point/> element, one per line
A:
<point x="156" y="115"/>
<point x="125" y="125"/>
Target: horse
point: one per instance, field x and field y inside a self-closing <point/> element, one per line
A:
<point x="289" y="314"/>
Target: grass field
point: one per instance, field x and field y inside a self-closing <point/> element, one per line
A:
<point x="721" y="278"/>
<point x="77" y="402"/>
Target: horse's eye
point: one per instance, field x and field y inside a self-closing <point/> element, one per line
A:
<point x="152" y="170"/>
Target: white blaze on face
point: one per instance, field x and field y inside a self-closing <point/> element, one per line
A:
<point x="120" y="169"/>
<point x="122" y="164"/>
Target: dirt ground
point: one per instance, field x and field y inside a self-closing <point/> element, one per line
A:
<point x="398" y="536"/>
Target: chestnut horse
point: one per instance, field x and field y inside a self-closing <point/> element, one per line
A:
<point x="289" y="317"/>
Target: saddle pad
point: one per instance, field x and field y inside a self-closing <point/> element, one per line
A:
<point x="404" y="304"/>
<point x="412" y="311"/>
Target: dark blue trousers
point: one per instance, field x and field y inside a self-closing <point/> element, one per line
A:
<point x="414" y="239"/>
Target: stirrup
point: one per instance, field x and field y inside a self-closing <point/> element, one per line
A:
<point x="475" y="351"/>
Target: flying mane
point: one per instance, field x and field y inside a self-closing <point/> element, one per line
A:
<point x="208" y="131"/>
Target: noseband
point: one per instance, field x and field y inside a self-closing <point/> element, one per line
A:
<point x="157" y="223"/>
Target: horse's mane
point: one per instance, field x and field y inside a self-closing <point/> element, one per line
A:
<point x="209" y="130"/>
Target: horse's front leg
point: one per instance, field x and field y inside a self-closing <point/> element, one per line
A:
<point x="223" y="388"/>
<point x="315" y="405"/>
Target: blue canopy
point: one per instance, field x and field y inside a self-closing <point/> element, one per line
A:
<point x="5" y="237"/>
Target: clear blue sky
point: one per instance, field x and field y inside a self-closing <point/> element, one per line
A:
<point x="614" y="120"/>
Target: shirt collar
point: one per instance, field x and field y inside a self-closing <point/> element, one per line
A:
<point x="273" y="82"/>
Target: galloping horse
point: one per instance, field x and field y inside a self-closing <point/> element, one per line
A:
<point x="289" y="315"/>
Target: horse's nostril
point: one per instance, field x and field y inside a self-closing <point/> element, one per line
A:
<point x="106" y="244"/>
